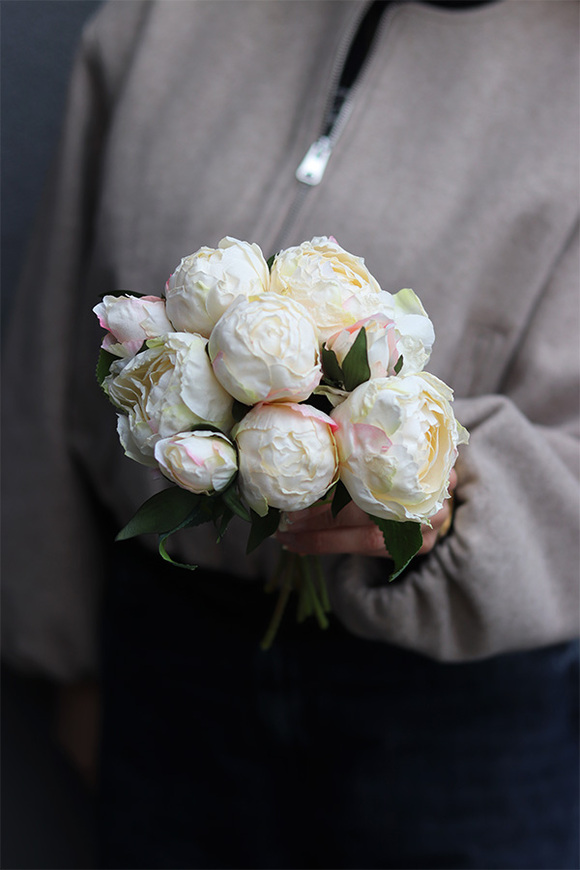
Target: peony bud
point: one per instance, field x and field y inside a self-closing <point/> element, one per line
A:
<point x="287" y="456"/>
<point x="203" y="462"/>
<point x="130" y="321"/>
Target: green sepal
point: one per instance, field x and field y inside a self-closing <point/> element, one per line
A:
<point x="320" y="402"/>
<point x="118" y="293"/>
<point x="262" y="528"/>
<point x="270" y="262"/>
<point x="104" y="363"/>
<point x="207" y="427"/>
<point x="232" y="501"/>
<point x="239" y="410"/>
<point x="163" y="513"/>
<point x="330" y="366"/>
<point x="399" y="364"/>
<point x="355" y="365"/>
<point x="402" y="540"/>
<point x="340" y="499"/>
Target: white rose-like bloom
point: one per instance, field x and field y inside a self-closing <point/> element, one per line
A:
<point x="287" y="456"/>
<point x="266" y="349"/>
<point x="206" y="283"/>
<point x="203" y="462"/>
<point x="397" y="442"/>
<point x="335" y="286"/>
<point x="166" y="389"/>
<point x="130" y="321"/>
<point x="414" y="331"/>
<point x="382" y="349"/>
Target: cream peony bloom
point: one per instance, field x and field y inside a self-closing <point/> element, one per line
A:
<point x="266" y="350"/>
<point x="203" y="462"/>
<point x="205" y="284"/>
<point x="166" y="389"/>
<point x="130" y="321"/>
<point x="335" y="286"/>
<point x="287" y="456"/>
<point x="397" y="442"/>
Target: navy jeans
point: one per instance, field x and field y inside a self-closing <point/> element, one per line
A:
<point x="327" y="751"/>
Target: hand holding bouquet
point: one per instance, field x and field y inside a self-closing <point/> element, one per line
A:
<point x="261" y="388"/>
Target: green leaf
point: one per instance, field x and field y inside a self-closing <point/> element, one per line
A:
<point x="199" y="515"/>
<point x="341" y="498"/>
<point x="399" y="365"/>
<point x="330" y="366"/>
<point x="165" y="555"/>
<point x="104" y="363"/>
<point x="270" y="261"/>
<point x="355" y="364"/>
<point x="402" y="540"/>
<point x="262" y="528"/>
<point x="163" y="513"/>
<point x="222" y="523"/>
<point x="232" y="500"/>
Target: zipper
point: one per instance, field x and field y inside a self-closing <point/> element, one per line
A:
<point x="369" y="27"/>
<point x="350" y="69"/>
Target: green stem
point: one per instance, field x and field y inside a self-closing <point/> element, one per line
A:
<point x="282" y="601"/>
<point x="318" y="609"/>
<point x="321" y="583"/>
<point x="282" y="567"/>
<point x="305" y="608"/>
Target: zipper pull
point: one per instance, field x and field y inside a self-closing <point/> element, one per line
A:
<point x="314" y="163"/>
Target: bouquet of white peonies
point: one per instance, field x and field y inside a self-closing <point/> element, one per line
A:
<point x="259" y="388"/>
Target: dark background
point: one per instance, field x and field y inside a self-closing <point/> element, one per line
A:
<point x="47" y="814"/>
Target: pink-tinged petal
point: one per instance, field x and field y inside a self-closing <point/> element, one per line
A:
<point x="150" y="299"/>
<point x="306" y="391"/>
<point x="309" y="411"/>
<point x="370" y="438"/>
<point x="195" y="459"/>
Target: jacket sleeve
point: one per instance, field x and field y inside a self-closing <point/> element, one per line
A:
<point x="52" y="555"/>
<point x="507" y="577"/>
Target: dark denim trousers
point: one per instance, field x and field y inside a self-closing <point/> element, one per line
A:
<point x="327" y="751"/>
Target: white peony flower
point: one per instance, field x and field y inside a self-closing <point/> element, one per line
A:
<point x="130" y="321"/>
<point x="166" y="389"/>
<point x="335" y="286"/>
<point x="287" y="456"/>
<point x="397" y="442"/>
<point x="203" y="462"/>
<point x="266" y="350"/>
<point x="206" y="283"/>
<point x="413" y="329"/>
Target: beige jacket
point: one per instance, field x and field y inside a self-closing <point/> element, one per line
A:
<point x="456" y="174"/>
